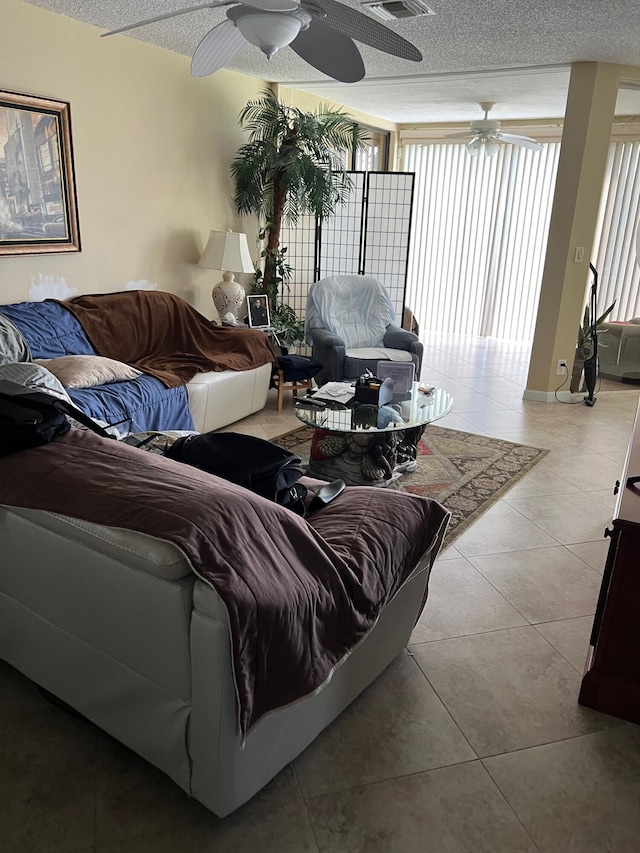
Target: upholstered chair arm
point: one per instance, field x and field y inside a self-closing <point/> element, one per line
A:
<point x="328" y="348"/>
<point x="324" y="338"/>
<point x="397" y="338"/>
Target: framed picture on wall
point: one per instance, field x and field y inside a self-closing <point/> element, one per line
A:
<point x="38" y="210"/>
<point x="258" y="308"/>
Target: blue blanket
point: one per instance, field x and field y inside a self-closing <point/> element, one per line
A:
<point x="136" y="405"/>
<point x="49" y="329"/>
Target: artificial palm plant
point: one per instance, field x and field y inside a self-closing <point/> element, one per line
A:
<point x="584" y="342"/>
<point x="289" y="167"/>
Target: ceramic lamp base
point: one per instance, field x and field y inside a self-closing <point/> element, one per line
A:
<point x="228" y="296"/>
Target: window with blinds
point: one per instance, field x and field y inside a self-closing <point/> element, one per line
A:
<point x="614" y="248"/>
<point x="479" y="237"/>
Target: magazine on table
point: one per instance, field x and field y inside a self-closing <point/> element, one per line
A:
<point x="341" y="392"/>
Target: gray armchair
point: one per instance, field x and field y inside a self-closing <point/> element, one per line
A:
<point x="351" y="325"/>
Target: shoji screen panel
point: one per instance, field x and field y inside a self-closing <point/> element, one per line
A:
<point x="387" y="230"/>
<point x="340" y="236"/>
<point x="302" y="256"/>
<point x="368" y="235"/>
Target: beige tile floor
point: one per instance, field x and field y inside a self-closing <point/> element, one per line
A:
<point x="471" y="742"/>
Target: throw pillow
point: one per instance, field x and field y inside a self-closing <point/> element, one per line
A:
<point x="34" y="376"/>
<point x="83" y="371"/>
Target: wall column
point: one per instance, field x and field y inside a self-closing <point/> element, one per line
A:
<point x="591" y="101"/>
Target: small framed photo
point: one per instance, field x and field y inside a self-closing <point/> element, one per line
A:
<point x="258" y="308"/>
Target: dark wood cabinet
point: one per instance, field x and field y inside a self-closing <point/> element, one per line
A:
<point x="612" y="679"/>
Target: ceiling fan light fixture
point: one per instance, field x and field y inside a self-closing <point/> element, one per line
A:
<point x="268" y="30"/>
<point x="474" y="146"/>
<point x="483" y="145"/>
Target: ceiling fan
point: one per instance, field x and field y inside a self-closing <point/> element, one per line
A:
<point x="320" y="31"/>
<point x="485" y="135"/>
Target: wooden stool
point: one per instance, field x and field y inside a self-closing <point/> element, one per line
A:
<point x="294" y="385"/>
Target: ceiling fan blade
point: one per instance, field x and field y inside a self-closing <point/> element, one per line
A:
<point x="329" y="51"/>
<point x="362" y="28"/>
<point x="466" y="135"/>
<point x="167" y="15"/>
<point x="265" y="5"/>
<point x="216" y="49"/>
<point x="523" y="141"/>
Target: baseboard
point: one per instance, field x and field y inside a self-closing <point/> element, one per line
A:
<point x="548" y="396"/>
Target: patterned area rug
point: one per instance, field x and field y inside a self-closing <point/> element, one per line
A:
<point x="467" y="473"/>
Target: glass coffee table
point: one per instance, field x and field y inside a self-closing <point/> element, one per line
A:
<point x="368" y="445"/>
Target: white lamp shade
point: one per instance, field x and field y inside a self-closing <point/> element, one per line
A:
<point x="268" y="30"/>
<point x="227" y="250"/>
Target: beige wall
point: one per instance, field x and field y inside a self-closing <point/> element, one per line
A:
<point x="152" y="147"/>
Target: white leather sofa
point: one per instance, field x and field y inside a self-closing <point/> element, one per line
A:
<point x="116" y="624"/>
<point x="217" y="399"/>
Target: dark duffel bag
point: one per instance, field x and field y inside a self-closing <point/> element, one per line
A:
<point x="254" y="463"/>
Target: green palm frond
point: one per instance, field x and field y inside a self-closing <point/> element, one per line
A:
<point x="288" y="169"/>
<point x="293" y="149"/>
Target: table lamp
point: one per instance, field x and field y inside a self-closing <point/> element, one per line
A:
<point x="227" y="250"/>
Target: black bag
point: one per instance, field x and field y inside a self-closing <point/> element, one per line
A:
<point x="296" y="368"/>
<point x="30" y="418"/>
<point x="254" y="463"/>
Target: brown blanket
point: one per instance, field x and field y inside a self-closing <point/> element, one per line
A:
<point x="300" y="594"/>
<point x="161" y="334"/>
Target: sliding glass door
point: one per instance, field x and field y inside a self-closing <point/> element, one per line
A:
<point x="479" y="237"/>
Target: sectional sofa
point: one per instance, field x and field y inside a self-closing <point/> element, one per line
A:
<point x="209" y="399"/>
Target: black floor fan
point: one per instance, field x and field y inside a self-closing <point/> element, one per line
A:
<point x="591" y="363"/>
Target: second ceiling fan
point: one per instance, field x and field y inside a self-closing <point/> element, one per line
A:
<point x="486" y="136"/>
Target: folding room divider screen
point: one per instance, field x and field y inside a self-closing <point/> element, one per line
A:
<point x="368" y="235"/>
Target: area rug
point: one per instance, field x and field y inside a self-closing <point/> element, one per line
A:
<point x="466" y="473"/>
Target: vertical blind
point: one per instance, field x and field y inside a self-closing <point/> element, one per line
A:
<point x="614" y="251"/>
<point x="479" y="237"/>
<point x="480" y="232"/>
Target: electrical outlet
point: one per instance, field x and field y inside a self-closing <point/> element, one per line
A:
<point x="561" y="367"/>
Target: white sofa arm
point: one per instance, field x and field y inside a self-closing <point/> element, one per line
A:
<point x="220" y="398"/>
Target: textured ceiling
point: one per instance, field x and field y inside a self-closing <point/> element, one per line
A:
<point x="514" y="53"/>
